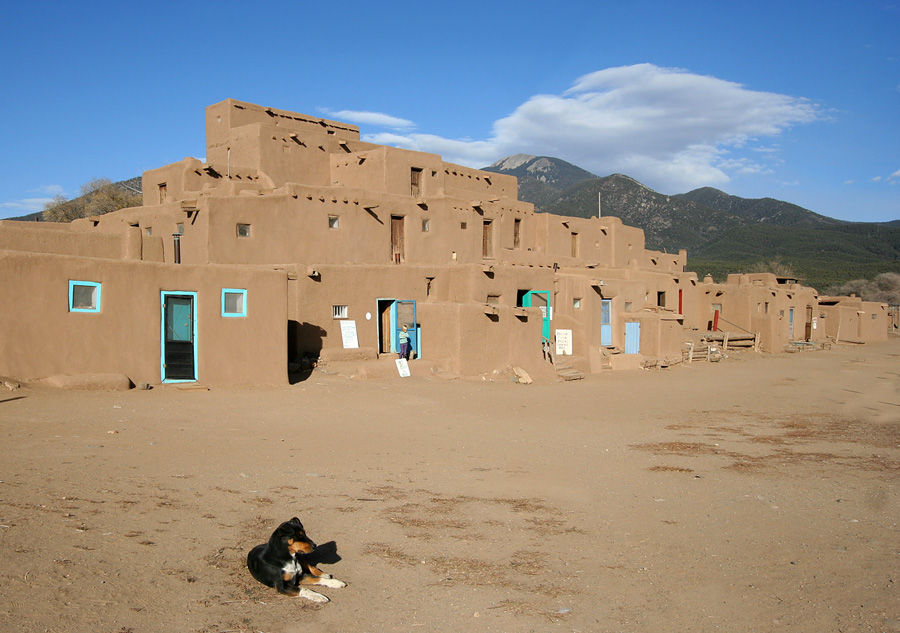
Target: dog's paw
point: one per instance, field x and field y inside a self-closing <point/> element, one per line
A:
<point x="314" y="596"/>
<point x="332" y="582"/>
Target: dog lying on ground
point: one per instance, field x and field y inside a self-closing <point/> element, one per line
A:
<point x="289" y="560"/>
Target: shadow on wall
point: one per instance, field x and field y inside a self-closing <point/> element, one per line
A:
<point x="304" y="346"/>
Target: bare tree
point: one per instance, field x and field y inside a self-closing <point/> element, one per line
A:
<point x="98" y="197"/>
<point x="774" y="266"/>
<point x="885" y="288"/>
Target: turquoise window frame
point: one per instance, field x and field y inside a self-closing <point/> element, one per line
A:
<point x="243" y="293"/>
<point x="92" y="284"/>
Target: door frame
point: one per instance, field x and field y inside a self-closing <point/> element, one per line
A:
<point x="606" y="322"/>
<point x="389" y="306"/>
<point x="163" y="295"/>
<point x="547" y="315"/>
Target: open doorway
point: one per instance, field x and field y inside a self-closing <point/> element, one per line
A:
<point x="393" y="314"/>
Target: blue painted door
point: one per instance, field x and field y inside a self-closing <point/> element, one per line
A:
<point x="178" y="360"/>
<point x="540" y="299"/>
<point x="632" y="337"/>
<point x="404" y="313"/>
<point x="791" y="324"/>
<point x="605" y="322"/>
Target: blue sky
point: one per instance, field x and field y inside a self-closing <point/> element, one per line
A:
<point x="793" y="100"/>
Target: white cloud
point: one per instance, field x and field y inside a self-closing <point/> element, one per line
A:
<point x="894" y="176"/>
<point x="877" y="179"/>
<point x="49" y="190"/>
<point x="669" y="128"/>
<point x="376" y="119"/>
<point x="25" y="205"/>
<point x="462" y="151"/>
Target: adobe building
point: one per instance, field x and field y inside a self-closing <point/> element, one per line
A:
<point x="852" y="320"/>
<point x="297" y="239"/>
<point x="779" y="310"/>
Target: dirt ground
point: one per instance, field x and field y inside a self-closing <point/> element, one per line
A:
<point x="755" y="494"/>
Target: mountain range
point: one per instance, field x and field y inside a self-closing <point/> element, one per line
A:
<point x="722" y="233"/>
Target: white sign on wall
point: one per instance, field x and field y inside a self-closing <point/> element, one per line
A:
<point x="563" y="342"/>
<point x="348" y="334"/>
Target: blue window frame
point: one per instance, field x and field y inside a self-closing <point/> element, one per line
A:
<point x="84" y="296"/>
<point x="234" y="302"/>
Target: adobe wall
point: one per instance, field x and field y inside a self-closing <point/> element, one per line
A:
<point x="387" y="170"/>
<point x="229" y="114"/>
<point x="57" y="237"/>
<point x="186" y="179"/>
<point x="442" y="295"/>
<point x="851" y="320"/>
<point x="124" y="337"/>
<point x="453" y="233"/>
<point x="757" y="303"/>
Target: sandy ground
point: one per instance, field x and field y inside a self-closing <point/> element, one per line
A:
<point x="754" y="494"/>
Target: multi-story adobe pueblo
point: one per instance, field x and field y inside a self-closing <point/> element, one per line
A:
<point x="297" y="239"/>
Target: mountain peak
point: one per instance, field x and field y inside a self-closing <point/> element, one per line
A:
<point x="512" y="162"/>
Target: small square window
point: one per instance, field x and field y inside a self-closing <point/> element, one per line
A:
<point x="84" y="296"/>
<point x="234" y="302"/>
<point x="462" y="225"/>
<point x="149" y="230"/>
<point x="243" y="230"/>
<point x="576" y="303"/>
<point x="339" y="312"/>
<point x="628" y="306"/>
<point x="426" y="226"/>
<point x="180" y="228"/>
<point x="334" y="222"/>
<point x="493" y="300"/>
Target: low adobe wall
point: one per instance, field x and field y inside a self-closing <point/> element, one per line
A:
<point x="41" y="337"/>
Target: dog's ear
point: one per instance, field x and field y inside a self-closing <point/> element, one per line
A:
<point x="297" y="521"/>
<point x="285" y="530"/>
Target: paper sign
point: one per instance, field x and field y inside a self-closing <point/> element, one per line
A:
<point x="348" y="334"/>
<point x="563" y="342"/>
<point x="403" y="367"/>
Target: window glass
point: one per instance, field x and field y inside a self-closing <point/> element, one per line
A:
<point x="234" y="302"/>
<point x="84" y="296"/>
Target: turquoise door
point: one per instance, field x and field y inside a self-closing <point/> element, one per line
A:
<point x="539" y="299"/>
<point x="632" y="337"/>
<point x="178" y="358"/>
<point x="404" y="313"/>
<point x="605" y="322"/>
<point x="791" y="324"/>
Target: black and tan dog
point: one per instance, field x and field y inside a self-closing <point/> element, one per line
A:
<point x="289" y="560"/>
